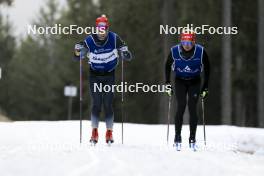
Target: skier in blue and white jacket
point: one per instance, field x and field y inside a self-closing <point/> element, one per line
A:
<point x="190" y="64"/>
<point x="103" y="51"/>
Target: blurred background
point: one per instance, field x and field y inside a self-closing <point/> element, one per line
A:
<point x="35" y="68"/>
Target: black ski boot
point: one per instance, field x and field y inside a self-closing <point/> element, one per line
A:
<point x="177" y="142"/>
<point x="192" y="144"/>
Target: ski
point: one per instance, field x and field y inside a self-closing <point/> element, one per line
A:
<point x="193" y="147"/>
<point x="109" y="142"/>
<point x="177" y="146"/>
<point x="93" y="142"/>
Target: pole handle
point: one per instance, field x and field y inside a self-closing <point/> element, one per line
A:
<point x="203" y="122"/>
<point x="168" y="120"/>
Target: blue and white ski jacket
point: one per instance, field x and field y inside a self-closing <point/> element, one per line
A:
<point x="187" y="68"/>
<point x="103" y="58"/>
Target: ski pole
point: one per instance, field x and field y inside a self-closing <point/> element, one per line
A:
<point x="168" y="121"/>
<point x="122" y="108"/>
<point x="81" y="95"/>
<point x="203" y="121"/>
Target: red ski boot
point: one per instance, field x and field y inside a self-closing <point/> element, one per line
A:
<point x="109" y="136"/>
<point x="94" y="138"/>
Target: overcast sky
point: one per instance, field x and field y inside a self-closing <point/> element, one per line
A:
<point x="22" y="12"/>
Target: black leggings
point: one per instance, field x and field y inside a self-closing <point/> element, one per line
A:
<point x="182" y="89"/>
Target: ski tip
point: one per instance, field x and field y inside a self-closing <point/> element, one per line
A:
<point x="177" y="146"/>
<point x="93" y="142"/>
<point x="109" y="142"/>
<point x="193" y="147"/>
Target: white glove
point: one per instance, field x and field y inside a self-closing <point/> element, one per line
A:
<point x="78" y="47"/>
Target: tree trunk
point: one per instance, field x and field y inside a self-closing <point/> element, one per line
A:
<point x="226" y="66"/>
<point x="239" y="110"/>
<point x="163" y="111"/>
<point x="261" y="63"/>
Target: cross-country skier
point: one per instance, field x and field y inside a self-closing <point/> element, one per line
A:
<point x="103" y="51"/>
<point x="188" y="60"/>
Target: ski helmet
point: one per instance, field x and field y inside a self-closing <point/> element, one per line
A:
<point x="187" y="37"/>
<point x="102" y="21"/>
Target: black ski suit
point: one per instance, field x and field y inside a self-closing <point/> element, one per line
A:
<point x="191" y="87"/>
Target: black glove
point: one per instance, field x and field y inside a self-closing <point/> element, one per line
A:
<point x="125" y="53"/>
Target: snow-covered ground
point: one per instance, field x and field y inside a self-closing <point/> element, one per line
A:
<point x="53" y="149"/>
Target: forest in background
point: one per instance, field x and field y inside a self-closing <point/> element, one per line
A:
<point x="36" y="69"/>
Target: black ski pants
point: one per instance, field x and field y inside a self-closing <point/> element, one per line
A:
<point x="187" y="91"/>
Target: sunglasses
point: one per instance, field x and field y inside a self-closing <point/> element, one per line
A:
<point x="187" y="43"/>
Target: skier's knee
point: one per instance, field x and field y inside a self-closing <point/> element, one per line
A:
<point x="96" y="109"/>
<point x="108" y="109"/>
<point x="181" y="105"/>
